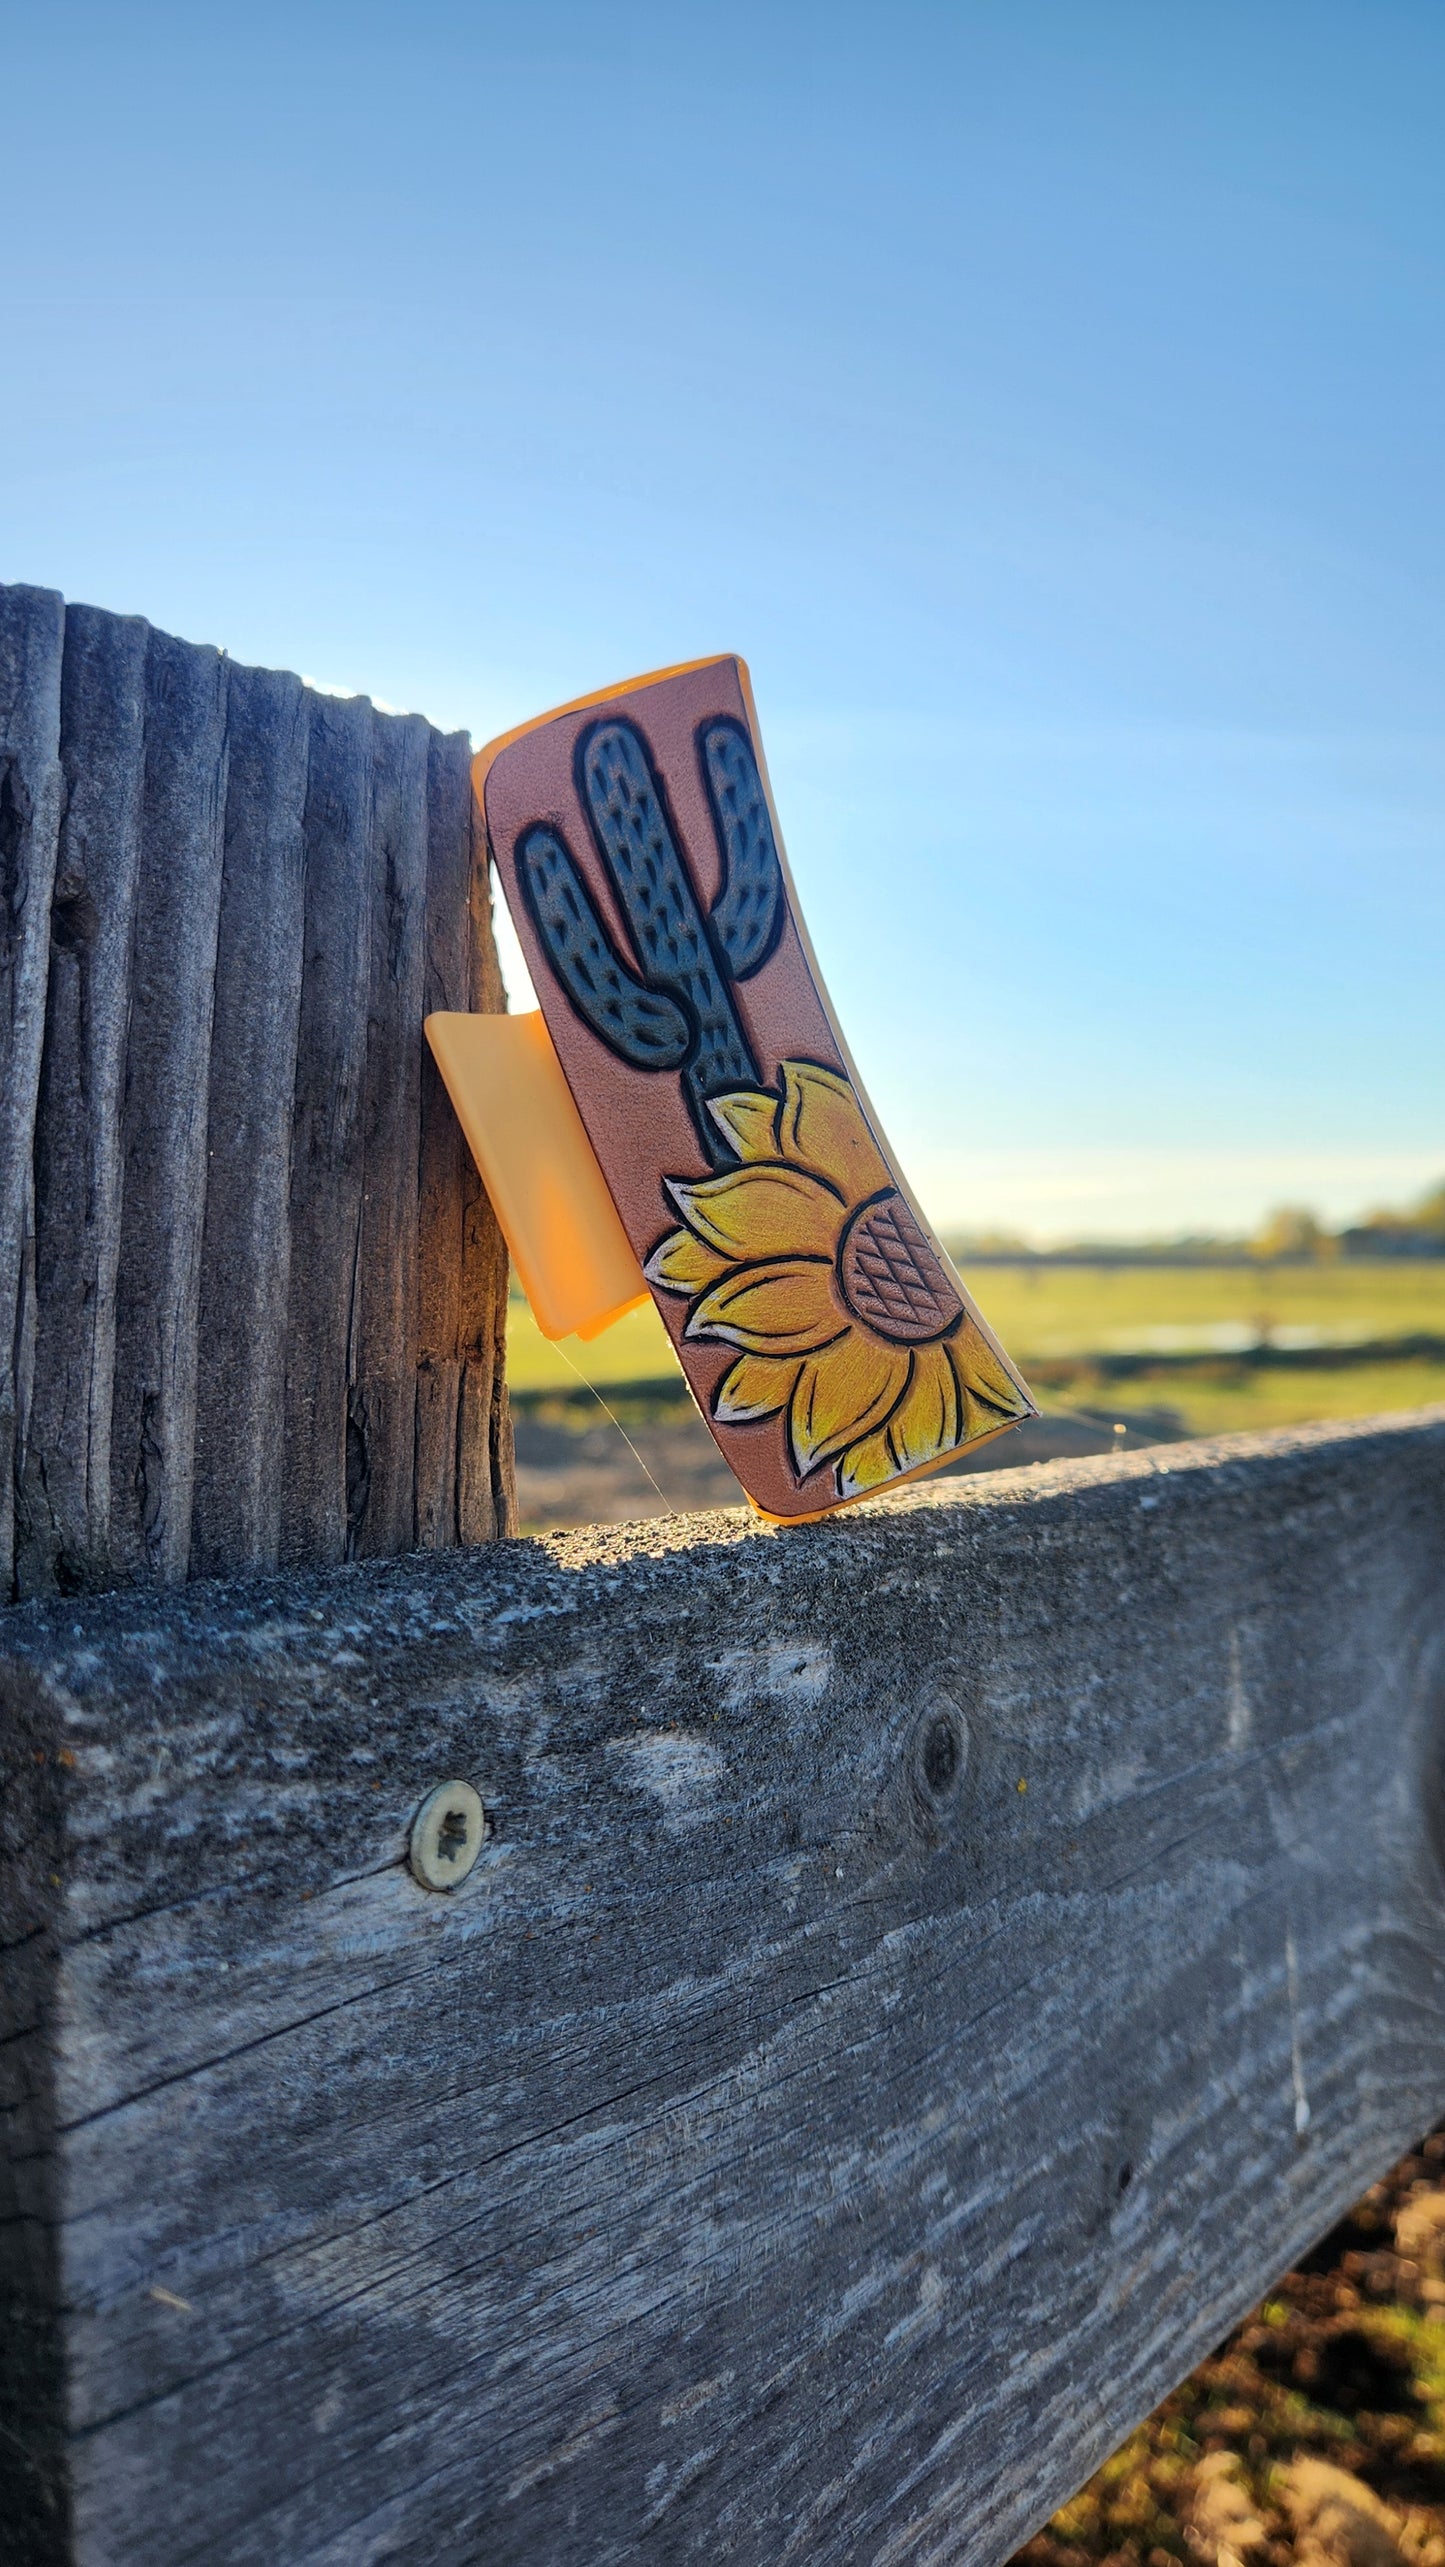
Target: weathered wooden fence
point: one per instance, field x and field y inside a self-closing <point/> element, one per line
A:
<point x="251" y="1294"/>
<point x="927" y="1972"/>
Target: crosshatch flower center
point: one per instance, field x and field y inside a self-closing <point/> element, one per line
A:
<point x="890" y="1277"/>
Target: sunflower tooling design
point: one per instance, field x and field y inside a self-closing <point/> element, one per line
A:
<point x="808" y="1260"/>
<point x="828" y="1341"/>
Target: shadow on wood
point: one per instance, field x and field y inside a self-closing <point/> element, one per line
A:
<point x="929" y="1972"/>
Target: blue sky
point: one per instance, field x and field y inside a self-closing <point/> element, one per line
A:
<point x="1046" y="399"/>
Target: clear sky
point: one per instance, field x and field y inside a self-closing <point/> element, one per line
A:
<point x="1046" y="398"/>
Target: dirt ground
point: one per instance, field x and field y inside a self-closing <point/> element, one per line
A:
<point x="1315" y="2437"/>
<point x="578" y="1465"/>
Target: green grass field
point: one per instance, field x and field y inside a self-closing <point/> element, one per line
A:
<point x="1074" y="1310"/>
<point x="1187" y="1335"/>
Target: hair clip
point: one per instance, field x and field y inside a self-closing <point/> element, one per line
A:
<point x="683" y="1118"/>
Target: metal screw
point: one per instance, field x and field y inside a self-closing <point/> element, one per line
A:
<point x="447" y="1834"/>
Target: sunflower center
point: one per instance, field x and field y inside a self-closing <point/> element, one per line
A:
<point x="891" y="1278"/>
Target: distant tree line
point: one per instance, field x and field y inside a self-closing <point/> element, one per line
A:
<point x="1294" y="1232"/>
<point x="1420" y="1233"/>
<point x="1291" y="1233"/>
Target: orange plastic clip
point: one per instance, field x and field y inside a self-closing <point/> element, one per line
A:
<point x="575" y="1260"/>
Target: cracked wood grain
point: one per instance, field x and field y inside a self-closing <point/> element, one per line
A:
<point x="164" y="1110"/>
<point x="794" y="2142"/>
<point x="64" y="1495"/>
<point x="31" y="639"/>
<point x="461" y="1424"/>
<point x="253" y="1297"/>
<point x="246" y="1251"/>
<point x="382" y="1400"/>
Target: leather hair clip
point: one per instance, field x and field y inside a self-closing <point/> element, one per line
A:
<point x="683" y="1119"/>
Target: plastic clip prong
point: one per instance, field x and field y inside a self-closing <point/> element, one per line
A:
<point x="576" y="1264"/>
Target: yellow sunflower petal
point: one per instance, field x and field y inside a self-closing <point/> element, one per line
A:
<point x="842" y="1394"/>
<point x="987" y="1387"/>
<point x="757" y="1386"/>
<point x="748" y="1122"/>
<point x="980" y="1417"/>
<point x="762" y="1212"/>
<point x="821" y="1126"/>
<point x="928" y="1418"/>
<point x="785" y="1308"/>
<point x="866" y="1466"/>
<point x="681" y="1263"/>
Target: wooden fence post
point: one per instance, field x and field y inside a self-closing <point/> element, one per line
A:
<point x="251" y="1295"/>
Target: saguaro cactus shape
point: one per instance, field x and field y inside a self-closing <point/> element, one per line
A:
<point x="675" y="1011"/>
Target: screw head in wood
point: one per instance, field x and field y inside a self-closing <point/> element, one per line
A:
<point x="447" y="1834"/>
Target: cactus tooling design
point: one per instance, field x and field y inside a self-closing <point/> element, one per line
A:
<point x="677" y="1012"/>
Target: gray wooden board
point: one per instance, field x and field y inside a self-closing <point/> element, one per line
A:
<point x="462" y="1426"/>
<point x="383" y="1394"/>
<point x="232" y="1196"/>
<point x="326" y="1152"/>
<point x="797" y="2140"/>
